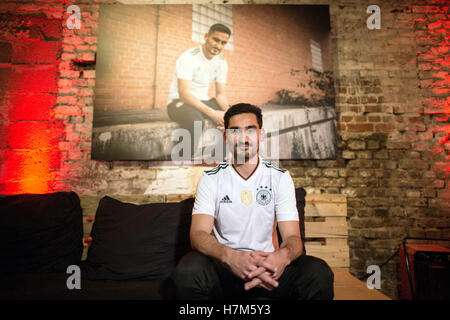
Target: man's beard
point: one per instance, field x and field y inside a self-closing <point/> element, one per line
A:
<point x="241" y="156"/>
<point x="213" y="51"/>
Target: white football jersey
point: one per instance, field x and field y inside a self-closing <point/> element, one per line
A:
<point x="194" y="66"/>
<point x="245" y="209"/>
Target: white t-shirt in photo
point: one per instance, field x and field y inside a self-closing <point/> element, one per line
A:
<point x="244" y="211"/>
<point x="192" y="65"/>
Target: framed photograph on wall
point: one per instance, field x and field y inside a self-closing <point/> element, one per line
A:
<point x="278" y="57"/>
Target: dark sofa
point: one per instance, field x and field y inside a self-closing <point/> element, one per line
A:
<point x="134" y="248"/>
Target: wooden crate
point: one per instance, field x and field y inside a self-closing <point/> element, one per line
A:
<point x="326" y="229"/>
<point x="327" y="238"/>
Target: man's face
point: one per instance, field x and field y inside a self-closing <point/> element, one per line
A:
<point x="214" y="43"/>
<point x="243" y="136"/>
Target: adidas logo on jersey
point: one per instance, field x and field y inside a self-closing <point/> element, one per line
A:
<point x="226" y="199"/>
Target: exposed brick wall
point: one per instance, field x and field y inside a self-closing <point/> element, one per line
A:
<point x="393" y="122"/>
<point x="392" y="102"/>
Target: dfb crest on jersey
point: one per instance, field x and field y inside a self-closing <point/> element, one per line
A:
<point x="263" y="196"/>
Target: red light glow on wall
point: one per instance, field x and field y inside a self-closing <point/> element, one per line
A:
<point x="30" y="156"/>
<point x="434" y="36"/>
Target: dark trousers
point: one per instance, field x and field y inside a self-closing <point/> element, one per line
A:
<point x="198" y="277"/>
<point x="186" y="114"/>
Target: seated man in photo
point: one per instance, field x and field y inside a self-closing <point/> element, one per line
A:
<point x="195" y="70"/>
<point x="233" y="218"/>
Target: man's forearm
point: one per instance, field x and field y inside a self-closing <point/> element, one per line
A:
<point x="293" y="247"/>
<point x="208" y="245"/>
<point x="222" y="101"/>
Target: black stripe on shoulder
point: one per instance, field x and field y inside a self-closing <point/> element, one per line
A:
<point x="195" y="51"/>
<point x="270" y="165"/>
<point x="214" y="170"/>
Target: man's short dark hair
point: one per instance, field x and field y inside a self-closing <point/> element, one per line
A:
<point x="219" y="28"/>
<point x="242" y="108"/>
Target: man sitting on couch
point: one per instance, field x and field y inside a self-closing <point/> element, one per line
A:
<point x="232" y="225"/>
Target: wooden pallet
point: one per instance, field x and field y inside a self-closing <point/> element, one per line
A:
<point x="326" y="236"/>
<point x="326" y="229"/>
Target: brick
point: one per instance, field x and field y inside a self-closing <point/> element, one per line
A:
<point x="384" y="127"/>
<point x="413" y="194"/>
<point x="5" y="75"/>
<point x="444" y="194"/>
<point x="332" y="173"/>
<point x="366" y="223"/>
<point x="296" y="172"/>
<point x="314" y="172"/>
<point x="325" y="182"/>
<point x="413" y="164"/>
<point x="30" y="106"/>
<point x="361" y="182"/>
<point x="64" y="110"/>
<point x="439" y="204"/>
<point x="429" y="174"/>
<point x="364" y="173"/>
<point x="441" y="166"/>
<point x="89" y="74"/>
<point x="32" y="79"/>
<point x="381" y="154"/>
<point x="356" y="145"/>
<point x="51" y="29"/>
<point x="70" y="100"/>
<point x="86" y="92"/>
<point x="388" y="164"/>
<point x="364" y="155"/>
<point x="36" y="52"/>
<point x="412" y="155"/>
<point x="29" y="135"/>
<point x="348" y="154"/>
<point x="398" y="145"/>
<point x="346" y="119"/>
<point x="372" y="109"/>
<point x="374" y="118"/>
<point x="77" y="154"/>
<point x="360" y="127"/>
<point x="365" y="212"/>
<point x="5" y="52"/>
<point x="65" y="83"/>
<point x="339" y="163"/>
<point x="362" y="163"/>
<point x="397" y="154"/>
<point x="89" y="56"/>
<point x="69" y="74"/>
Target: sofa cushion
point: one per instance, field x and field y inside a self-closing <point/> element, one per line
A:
<point x="137" y="241"/>
<point x="40" y="232"/>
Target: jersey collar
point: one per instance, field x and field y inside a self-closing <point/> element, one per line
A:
<point x="252" y="174"/>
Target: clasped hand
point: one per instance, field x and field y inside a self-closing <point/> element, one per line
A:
<point x="259" y="269"/>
